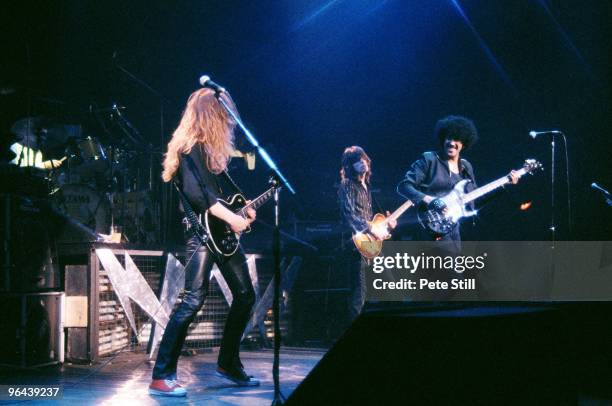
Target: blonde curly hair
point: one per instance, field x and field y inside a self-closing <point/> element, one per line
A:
<point x="204" y="122"/>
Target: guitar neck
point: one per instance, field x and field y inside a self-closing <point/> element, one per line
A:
<point x="258" y="201"/>
<point x="489" y="187"/>
<point x="400" y="210"/>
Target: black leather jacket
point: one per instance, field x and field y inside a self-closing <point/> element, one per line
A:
<point x="431" y="176"/>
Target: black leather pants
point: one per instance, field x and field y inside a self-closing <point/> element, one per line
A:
<point x="197" y="275"/>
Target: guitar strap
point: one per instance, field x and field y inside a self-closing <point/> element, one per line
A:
<point x="231" y="181"/>
<point x="190" y="215"/>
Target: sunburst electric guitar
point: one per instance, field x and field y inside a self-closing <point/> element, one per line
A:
<point x="367" y="245"/>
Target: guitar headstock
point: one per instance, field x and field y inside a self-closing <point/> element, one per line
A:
<point x="274" y="182"/>
<point x="531" y="165"/>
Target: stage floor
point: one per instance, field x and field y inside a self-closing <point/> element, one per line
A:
<point x="125" y="380"/>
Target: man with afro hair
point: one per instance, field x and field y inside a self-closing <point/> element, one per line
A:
<point x="437" y="172"/>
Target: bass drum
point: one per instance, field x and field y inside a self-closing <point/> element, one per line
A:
<point x="81" y="205"/>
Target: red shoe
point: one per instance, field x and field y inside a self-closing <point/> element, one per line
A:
<point x="166" y="387"/>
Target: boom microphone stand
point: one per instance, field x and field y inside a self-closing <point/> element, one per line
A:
<point x="206" y="82"/>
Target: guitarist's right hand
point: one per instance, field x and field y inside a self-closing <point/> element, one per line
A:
<point x="380" y="233"/>
<point x="238" y="224"/>
<point x="437" y="205"/>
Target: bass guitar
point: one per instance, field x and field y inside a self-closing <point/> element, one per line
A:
<point x="443" y="222"/>
<point x="221" y="238"/>
<point x="368" y="245"/>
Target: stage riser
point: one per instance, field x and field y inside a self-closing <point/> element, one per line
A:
<point x="108" y="330"/>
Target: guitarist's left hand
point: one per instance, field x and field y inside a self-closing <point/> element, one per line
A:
<point x="391" y="223"/>
<point x="514" y="178"/>
<point x="251" y="214"/>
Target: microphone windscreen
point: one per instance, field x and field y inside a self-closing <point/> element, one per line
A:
<point x="204" y="79"/>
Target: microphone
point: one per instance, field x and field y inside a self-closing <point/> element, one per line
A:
<point x="534" y="134"/>
<point x="206" y="82"/>
<point x="597" y="187"/>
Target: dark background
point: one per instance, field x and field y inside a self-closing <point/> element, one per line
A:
<point x="312" y="77"/>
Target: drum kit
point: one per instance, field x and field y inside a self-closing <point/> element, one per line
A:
<point x="96" y="186"/>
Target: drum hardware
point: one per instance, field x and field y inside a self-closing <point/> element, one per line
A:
<point x="112" y="108"/>
<point x="94" y="186"/>
<point x="136" y="138"/>
<point x="134" y="216"/>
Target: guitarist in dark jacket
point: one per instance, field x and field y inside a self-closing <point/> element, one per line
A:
<point x="197" y="158"/>
<point x="355" y="199"/>
<point x="436" y="173"/>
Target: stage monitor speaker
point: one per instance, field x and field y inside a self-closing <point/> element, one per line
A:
<point x="471" y="355"/>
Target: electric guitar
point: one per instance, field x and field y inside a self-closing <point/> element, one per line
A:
<point x="221" y="238"/>
<point x="367" y="245"/>
<point x="443" y="222"/>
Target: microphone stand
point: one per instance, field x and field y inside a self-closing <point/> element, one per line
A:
<point x="553" y="226"/>
<point x="606" y="195"/>
<point x="278" y="396"/>
<point x="552" y="190"/>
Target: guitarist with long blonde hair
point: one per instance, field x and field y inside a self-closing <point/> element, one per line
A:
<point x="355" y="199"/>
<point x="197" y="159"/>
